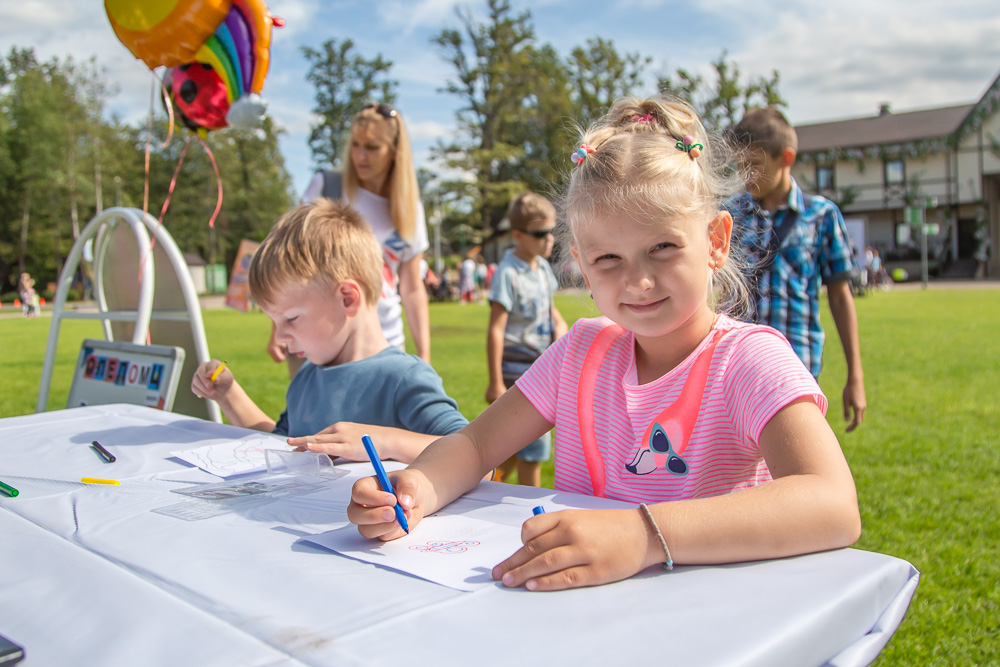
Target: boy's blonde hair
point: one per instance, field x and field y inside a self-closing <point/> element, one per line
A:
<point x="766" y="129"/>
<point x="639" y="167"/>
<point x="404" y="193"/>
<point x="529" y="207"/>
<point x="323" y="241"/>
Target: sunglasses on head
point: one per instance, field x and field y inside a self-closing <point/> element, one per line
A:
<point x="540" y="233"/>
<point x="383" y="110"/>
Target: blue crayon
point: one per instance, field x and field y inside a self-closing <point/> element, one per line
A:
<point x="538" y="510"/>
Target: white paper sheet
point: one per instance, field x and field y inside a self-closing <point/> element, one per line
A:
<point x="235" y="457"/>
<point x="454" y="551"/>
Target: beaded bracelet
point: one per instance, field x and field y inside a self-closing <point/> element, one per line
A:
<point x="669" y="565"/>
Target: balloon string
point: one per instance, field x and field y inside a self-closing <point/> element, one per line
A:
<point x="173" y="181"/>
<point x="169" y="106"/>
<point x="218" y="180"/>
<point x="149" y="139"/>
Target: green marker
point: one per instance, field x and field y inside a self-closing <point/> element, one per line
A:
<point x="9" y="490"/>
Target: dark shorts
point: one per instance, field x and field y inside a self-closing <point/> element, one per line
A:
<point x="517" y="360"/>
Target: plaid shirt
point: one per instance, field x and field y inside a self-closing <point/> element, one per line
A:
<point x="817" y="249"/>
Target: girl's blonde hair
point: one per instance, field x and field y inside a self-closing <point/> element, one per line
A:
<point x="642" y="166"/>
<point x="324" y="241"/>
<point x="404" y="194"/>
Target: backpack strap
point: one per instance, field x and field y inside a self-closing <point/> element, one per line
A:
<point x="689" y="401"/>
<point x="333" y="184"/>
<point x="585" y="403"/>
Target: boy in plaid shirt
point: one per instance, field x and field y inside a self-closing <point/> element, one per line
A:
<point x="794" y="243"/>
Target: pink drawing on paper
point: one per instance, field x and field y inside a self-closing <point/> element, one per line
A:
<point x="445" y="546"/>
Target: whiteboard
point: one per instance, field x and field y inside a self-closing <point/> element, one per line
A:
<point x="118" y="372"/>
<point x="857" y="230"/>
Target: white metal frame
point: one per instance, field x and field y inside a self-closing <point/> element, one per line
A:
<point x="100" y="229"/>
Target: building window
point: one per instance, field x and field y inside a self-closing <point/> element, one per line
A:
<point x="824" y="178"/>
<point x="895" y="173"/>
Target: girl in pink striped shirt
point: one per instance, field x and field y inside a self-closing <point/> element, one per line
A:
<point x="666" y="400"/>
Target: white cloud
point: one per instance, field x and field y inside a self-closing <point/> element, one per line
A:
<point x="299" y="16"/>
<point x="843" y="60"/>
<point x="428" y="130"/>
<point x="420" y="14"/>
<point x="21" y="17"/>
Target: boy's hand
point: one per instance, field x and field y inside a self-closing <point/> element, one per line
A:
<point x="277" y="350"/>
<point x="575" y="548"/>
<point x="341" y="439"/>
<point x="495" y="391"/>
<point x="371" y="508"/>
<point x="202" y="384"/>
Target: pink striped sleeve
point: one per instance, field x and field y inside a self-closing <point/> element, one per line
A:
<point x="764" y="376"/>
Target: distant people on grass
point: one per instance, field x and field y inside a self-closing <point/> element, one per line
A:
<point x="667" y="400"/>
<point x="481" y="271"/>
<point x="378" y="179"/>
<point x="982" y="254"/>
<point x="795" y="242"/>
<point x="467" y="280"/>
<point x="318" y="277"/>
<point x="30" y="301"/>
<point x="523" y="317"/>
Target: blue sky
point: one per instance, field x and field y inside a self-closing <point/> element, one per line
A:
<point x="837" y="60"/>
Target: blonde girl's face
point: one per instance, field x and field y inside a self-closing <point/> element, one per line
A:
<point x="651" y="276"/>
<point x="372" y="154"/>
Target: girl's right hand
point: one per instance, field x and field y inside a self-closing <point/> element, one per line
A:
<point x="201" y="381"/>
<point x="372" y="509"/>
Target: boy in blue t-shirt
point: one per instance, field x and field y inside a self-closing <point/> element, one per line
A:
<point x="523" y="318"/>
<point x="318" y="276"/>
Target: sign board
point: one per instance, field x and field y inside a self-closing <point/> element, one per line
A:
<point x="117" y="372"/>
<point x="238" y="294"/>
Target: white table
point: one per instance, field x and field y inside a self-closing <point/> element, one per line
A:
<point x="90" y="575"/>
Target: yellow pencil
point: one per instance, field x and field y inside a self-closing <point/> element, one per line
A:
<point x="94" y="480"/>
<point x="217" y="372"/>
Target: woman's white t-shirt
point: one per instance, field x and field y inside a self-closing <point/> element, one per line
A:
<point x="395" y="250"/>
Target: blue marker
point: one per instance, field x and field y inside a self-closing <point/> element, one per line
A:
<point x="538" y="510"/>
<point x="383" y="480"/>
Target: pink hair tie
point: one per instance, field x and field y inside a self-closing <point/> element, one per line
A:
<point x="580" y="154"/>
<point x="645" y="118"/>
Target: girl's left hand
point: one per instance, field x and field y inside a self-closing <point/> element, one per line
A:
<point x="577" y="548"/>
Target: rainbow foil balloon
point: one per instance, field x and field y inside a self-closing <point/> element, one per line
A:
<point x="232" y="37"/>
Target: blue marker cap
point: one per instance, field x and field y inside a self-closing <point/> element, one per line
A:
<point x="538" y="510"/>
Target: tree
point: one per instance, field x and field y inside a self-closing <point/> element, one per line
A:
<point x="56" y="148"/>
<point x="722" y="103"/>
<point x="345" y="82"/>
<point x="600" y="75"/>
<point x="493" y="78"/>
<point x="40" y="106"/>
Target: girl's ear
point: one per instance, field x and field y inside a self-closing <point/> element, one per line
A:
<point x="351" y="296"/>
<point x="720" y="231"/>
<point x="579" y="264"/>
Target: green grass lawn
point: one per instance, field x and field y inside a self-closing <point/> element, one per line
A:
<point x="926" y="460"/>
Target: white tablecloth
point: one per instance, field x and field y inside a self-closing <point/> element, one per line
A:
<point x="90" y="575"/>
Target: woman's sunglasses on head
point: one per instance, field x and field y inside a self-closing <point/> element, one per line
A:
<point x="383" y="110"/>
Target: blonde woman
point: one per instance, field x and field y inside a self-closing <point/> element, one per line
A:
<point x="379" y="181"/>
